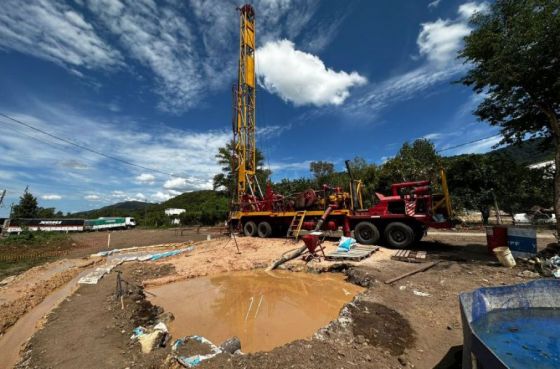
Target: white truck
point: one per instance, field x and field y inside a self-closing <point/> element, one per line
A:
<point x="103" y="223"/>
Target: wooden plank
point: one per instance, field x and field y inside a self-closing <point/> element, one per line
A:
<point x="423" y="268"/>
<point x="410" y="256"/>
<point x="355" y="254"/>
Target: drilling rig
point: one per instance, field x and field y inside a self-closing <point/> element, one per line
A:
<point x="244" y="93"/>
<point x="399" y="219"/>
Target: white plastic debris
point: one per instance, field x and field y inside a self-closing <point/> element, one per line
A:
<point x="420" y="293"/>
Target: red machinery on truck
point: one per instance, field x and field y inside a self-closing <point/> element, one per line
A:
<point x="399" y="219"/>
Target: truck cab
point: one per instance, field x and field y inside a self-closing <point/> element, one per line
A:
<point x="130" y="222"/>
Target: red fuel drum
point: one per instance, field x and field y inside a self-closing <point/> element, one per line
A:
<point x="496" y="236"/>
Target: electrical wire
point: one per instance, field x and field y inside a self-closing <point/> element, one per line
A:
<point x="86" y="148"/>
<point x="468" y="143"/>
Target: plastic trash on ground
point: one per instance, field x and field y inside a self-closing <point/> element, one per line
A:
<point x="345" y="244"/>
<point x="150" y="338"/>
<point x="192" y="361"/>
<point x="137" y="332"/>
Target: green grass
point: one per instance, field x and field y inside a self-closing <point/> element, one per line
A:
<point x="33" y="239"/>
<point x="28" y="249"/>
<point x="8" y="268"/>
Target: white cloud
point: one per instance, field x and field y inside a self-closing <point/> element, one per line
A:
<point x="268" y="132"/>
<point x="146" y="178"/>
<point x="92" y="197"/>
<point x="139" y="196"/>
<point x="302" y="78"/>
<point x="187" y="184"/>
<point x="52" y="31"/>
<point x="438" y="44"/>
<point x="49" y="197"/>
<point x="118" y="194"/>
<point x="434" y="4"/>
<point x="160" y="39"/>
<point x="467" y="10"/>
<point x="161" y="196"/>
<point x="283" y="166"/>
<point x="190" y="48"/>
<point x="399" y="88"/>
<point x="136" y="197"/>
<point x="163" y="148"/>
<point x="439" y="41"/>
<point x="433" y="136"/>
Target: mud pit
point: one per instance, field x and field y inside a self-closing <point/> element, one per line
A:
<point x="265" y="310"/>
<point x="90" y="329"/>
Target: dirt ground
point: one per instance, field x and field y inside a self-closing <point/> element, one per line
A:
<point x="414" y="322"/>
<point x="16" y="259"/>
<point x="19" y="294"/>
<point x="91" y="330"/>
<point x="221" y="255"/>
<point x="92" y="242"/>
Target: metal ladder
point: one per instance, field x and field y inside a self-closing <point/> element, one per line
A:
<point x="296" y="224"/>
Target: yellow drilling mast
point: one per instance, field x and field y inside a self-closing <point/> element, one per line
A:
<point x="244" y="110"/>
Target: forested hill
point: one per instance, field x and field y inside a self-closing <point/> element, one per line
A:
<point x="207" y="205"/>
<point x="118" y="209"/>
<point x="529" y="152"/>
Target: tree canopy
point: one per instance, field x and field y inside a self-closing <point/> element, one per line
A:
<point x="225" y="180"/>
<point x="27" y="206"/>
<point x="413" y="162"/>
<point x="514" y="59"/>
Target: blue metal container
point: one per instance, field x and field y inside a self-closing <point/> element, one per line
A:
<point x="532" y="333"/>
<point x="522" y="241"/>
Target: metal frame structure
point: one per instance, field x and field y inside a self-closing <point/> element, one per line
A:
<point x="244" y="109"/>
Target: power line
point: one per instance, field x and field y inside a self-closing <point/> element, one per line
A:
<point x="83" y="147"/>
<point x="468" y="143"/>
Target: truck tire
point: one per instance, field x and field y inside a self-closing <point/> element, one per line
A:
<point x="264" y="229"/>
<point x="366" y="233"/>
<point x="399" y="235"/>
<point x="250" y="229"/>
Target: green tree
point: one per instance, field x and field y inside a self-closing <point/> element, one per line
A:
<point x="46" y="212"/>
<point x="474" y="179"/>
<point x="27" y="207"/>
<point x="513" y="54"/>
<point x="225" y="180"/>
<point x="288" y="187"/>
<point x="321" y="170"/>
<point x="369" y="174"/>
<point x="471" y="179"/>
<point x="413" y="162"/>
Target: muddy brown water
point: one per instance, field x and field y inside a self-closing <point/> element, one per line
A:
<point x="263" y="309"/>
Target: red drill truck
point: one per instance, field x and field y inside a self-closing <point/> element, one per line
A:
<point x="397" y="220"/>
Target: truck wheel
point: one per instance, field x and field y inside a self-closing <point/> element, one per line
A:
<point x="250" y="229"/>
<point x="366" y="233"/>
<point x="264" y="229"/>
<point x="399" y="235"/>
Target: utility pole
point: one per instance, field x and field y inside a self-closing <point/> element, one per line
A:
<point x="498" y="216"/>
<point x="6" y="223"/>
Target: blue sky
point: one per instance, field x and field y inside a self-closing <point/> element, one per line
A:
<point x="150" y="82"/>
